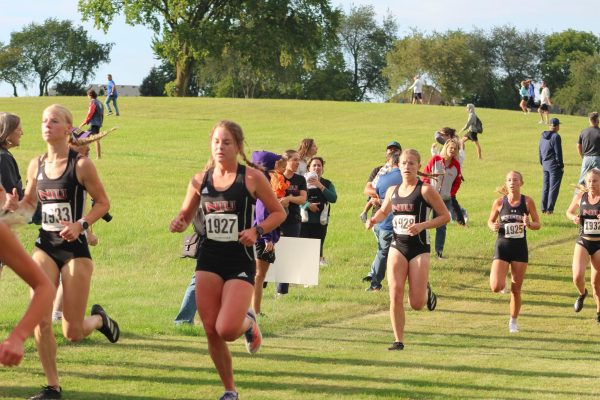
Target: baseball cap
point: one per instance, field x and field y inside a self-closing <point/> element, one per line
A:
<point x="554" y="122"/>
<point x="394" y="144"/>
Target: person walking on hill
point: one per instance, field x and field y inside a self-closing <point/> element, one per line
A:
<point x="545" y="104"/>
<point x="524" y="93"/>
<point x="551" y="159"/>
<point x="510" y="218"/>
<point x="471" y="128"/>
<point x="225" y="269"/>
<point x="94" y="118"/>
<point x="584" y="211"/>
<point x="417" y="88"/>
<point x="408" y="258"/>
<point x="588" y="146"/>
<point x="111" y="96"/>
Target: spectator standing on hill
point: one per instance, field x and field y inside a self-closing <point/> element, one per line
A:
<point x="111" y="95"/>
<point x="417" y="88"/>
<point x="588" y="146"/>
<point x="471" y="128"/>
<point x="94" y="118"/>
<point x="370" y="190"/>
<point x="531" y="95"/>
<point x="320" y="194"/>
<point x="384" y="230"/>
<point x="550" y="153"/>
<point x="545" y="104"/>
<point x="306" y="150"/>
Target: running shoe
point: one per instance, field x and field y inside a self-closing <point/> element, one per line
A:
<point x="438" y="254"/>
<point x="56" y="316"/>
<point x="396" y="346"/>
<point x="48" y="392"/>
<point x="512" y="326"/>
<point x="579" y="302"/>
<point x="252" y="335"/>
<point x="109" y="328"/>
<point x="229" y="396"/>
<point x="323" y="263"/>
<point x="363" y="217"/>
<point x="431" y="298"/>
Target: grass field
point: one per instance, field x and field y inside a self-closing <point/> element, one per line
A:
<point x="328" y="341"/>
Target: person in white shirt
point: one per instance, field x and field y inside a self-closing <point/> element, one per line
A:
<point x="417" y="88"/>
<point x="545" y="104"/>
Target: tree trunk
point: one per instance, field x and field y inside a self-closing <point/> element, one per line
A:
<point x="184" y="70"/>
<point x="15" y="94"/>
<point x="41" y="87"/>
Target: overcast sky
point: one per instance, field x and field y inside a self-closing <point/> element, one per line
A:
<point x="132" y="58"/>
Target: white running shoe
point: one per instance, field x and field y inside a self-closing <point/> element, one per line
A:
<point x="512" y="326"/>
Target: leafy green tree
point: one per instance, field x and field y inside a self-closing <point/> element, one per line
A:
<point x="407" y="58"/>
<point x="366" y="44"/>
<point x="57" y="47"/>
<point x="190" y="31"/>
<point x="561" y="50"/>
<point x="10" y="68"/>
<point x="581" y="92"/>
<point x="154" y="84"/>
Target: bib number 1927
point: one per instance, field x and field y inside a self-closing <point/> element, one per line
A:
<point x="222" y="227"/>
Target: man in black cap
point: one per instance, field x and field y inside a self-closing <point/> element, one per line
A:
<point x="550" y="153"/>
<point x="371" y="191"/>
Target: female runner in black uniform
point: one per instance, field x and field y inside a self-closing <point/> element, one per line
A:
<point x="509" y="217"/>
<point x="588" y="242"/>
<point x="225" y="269"/>
<point x="58" y="179"/>
<point x="409" y="250"/>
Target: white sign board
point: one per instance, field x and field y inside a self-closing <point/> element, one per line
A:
<point x="296" y="261"/>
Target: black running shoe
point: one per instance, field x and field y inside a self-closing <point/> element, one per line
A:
<point x="579" y="302"/>
<point x="431" y="298"/>
<point x="48" y="392"/>
<point x="396" y="346"/>
<point x="109" y="328"/>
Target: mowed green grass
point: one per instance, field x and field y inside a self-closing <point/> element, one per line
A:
<point x="328" y="341"/>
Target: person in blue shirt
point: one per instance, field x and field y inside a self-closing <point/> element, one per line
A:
<point x="111" y="95"/>
<point x="384" y="230"/>
<point x="550" y="153"/>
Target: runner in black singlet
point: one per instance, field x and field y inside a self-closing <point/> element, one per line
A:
<point x="225" y="269"/>
<point x="588" y="242"/>
<point x="510" y="218"/>
<point x="409" y="251"/>
<point x="58" y="179"/>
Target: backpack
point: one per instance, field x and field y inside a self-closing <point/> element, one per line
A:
<point x="478" y="126"/>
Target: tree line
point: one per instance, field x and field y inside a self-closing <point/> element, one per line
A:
<point x="306" y="49"/>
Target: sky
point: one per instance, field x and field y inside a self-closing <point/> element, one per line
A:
<point x="132" y="57"/>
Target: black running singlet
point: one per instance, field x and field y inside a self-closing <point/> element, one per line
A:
<point x="589" y="224"/>
<point x="407" y="211"/>
<point x="62" y="198"/>
<point x="226" y="214"/>
<point x="511" y="219"/>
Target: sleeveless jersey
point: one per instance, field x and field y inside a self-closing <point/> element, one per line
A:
<point x="226" y="214"/>
<point x="511" y="219"/>
<point x="407" y="211"/>
<point x="62" y="199"/>
<point x="589" y="224"/>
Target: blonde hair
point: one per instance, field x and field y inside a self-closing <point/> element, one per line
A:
<point x="62" y="111"/>
<point x="503" y="190"/>
<point x="583" y="188"/>
<point x="411" y="152"/>
<point x="444" y="151"/>
<point x="304" y="147"/>
<point x="8" y="124"/>
<point x="238" y="137"/>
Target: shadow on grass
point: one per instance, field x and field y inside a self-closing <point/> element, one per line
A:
<point x="23" y="393"/>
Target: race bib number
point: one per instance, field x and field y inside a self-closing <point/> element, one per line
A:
<point x="222" y="227"/>
<point x="514" y="230"/>
<point x="401" y="223"/>
<point x="53" y="213"/>
<point x="591" y="226"/>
